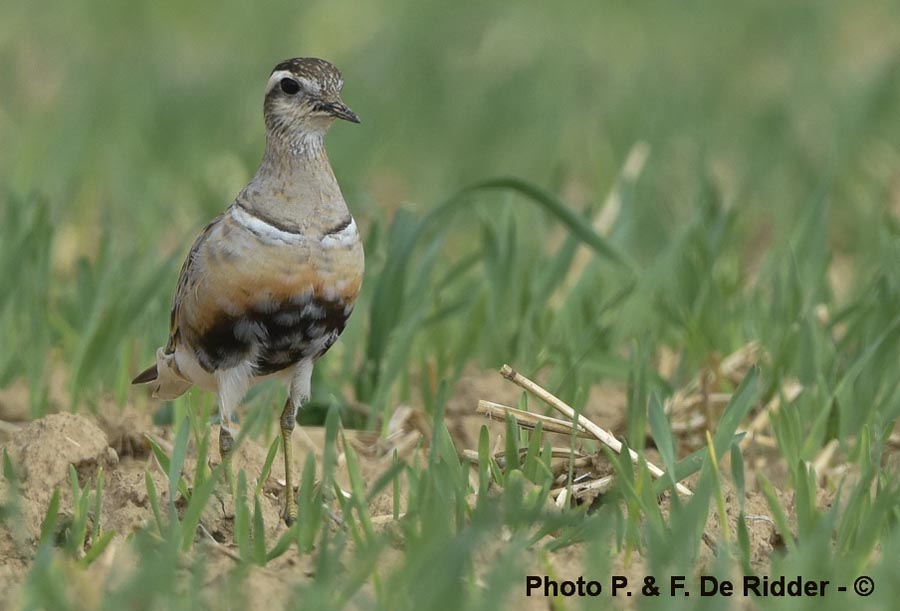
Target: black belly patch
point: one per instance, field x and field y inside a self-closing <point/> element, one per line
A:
<point x="280" y="336"/>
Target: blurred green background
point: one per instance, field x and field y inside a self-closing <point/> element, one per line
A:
<point x="767" y="210"/>
<point x="126" y="126"/>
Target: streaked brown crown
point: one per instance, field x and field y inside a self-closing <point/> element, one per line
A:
<point x="318" y="70"/>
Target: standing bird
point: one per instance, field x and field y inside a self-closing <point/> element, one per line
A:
<point x="269" y="284"/>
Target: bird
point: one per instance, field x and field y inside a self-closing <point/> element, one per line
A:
<point x="268" y="286"/>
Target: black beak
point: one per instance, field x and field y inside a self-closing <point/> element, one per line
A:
<point x="339" y="110"/>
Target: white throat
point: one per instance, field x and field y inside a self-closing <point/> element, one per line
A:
<point x="306" y="144"/>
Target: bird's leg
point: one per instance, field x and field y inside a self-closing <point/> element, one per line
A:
<point x="232" y="386"/>
<point x="299" y="394"/>
<point x="226" y="447"/>
<point x="226" y="443"/>
<point x="288" y="420"/>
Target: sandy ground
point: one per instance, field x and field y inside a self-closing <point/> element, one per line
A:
<point x="42" y="451"/>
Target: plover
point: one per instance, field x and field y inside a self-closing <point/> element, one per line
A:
<point x="269" y="284"/>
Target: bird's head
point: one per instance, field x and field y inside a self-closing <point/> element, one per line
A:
<point x="303" y="98"/>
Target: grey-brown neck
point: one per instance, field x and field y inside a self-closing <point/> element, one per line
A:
<point x="295" y="185"/>
<point x="294" y="151"/>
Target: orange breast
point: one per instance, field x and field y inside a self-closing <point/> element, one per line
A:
<point x="268" y="303"/>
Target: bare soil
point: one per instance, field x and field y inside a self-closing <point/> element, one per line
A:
<point x="42" y="451"/>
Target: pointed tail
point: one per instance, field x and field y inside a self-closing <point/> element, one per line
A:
<point x="168" y="381"/>
<point x="147" y="375"/>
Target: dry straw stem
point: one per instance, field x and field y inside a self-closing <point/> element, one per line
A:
<point x="729" y="368"/>
<point x="825" y="456"/>
<point x="602" y="435"/>
<point x="578" y="459"/>
<point x="631" y="171"/>
<point x="790" y="391"/>
<point x="597" y="485"/>
<point x="713" y="399"/>
<point x="527" y="420"/>
<point x="605" y="219"/>
<point x="894" y="440"/>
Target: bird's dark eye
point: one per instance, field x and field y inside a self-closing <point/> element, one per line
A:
<point x="290" y="86"/>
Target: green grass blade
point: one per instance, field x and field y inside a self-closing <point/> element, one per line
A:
<point x="743" y="399"/>
<point x="259" y="534"/>
<point x="179" y="451"/>
<point x="662" y="434"/>
<point x="48" y="526"/>
<point x="578" y="226"/>
<point x="98" y="547"/>
<point x="153" y="497"/>
<point x="267" y="464"/>
<point x="196" y="504"/>
<point x="242" y="519"/>
<point x="387" y="477"/>
<point x="284" y="543"/>
<point x="309" y="506"/>
<point x="165" y="464"/>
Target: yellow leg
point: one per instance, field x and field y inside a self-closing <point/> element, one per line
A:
<point x="288" y="418"/>
<point x="226" y="443"/>
<point x="226" y="447"/>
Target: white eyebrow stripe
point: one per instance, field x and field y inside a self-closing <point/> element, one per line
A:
<point x="307" y="84"/>
<point x="345" y="238"/>
<point x="276" y="78"/>
<point x="265" y="230"/>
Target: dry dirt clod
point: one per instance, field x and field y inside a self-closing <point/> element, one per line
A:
<point x="41" y="454"/>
